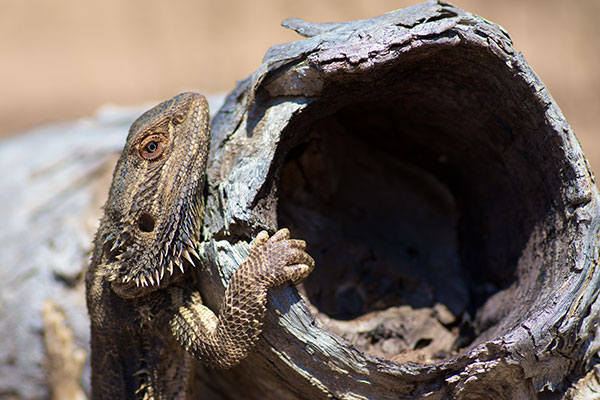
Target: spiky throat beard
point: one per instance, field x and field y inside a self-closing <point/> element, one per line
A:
<point x="140" y="262"/>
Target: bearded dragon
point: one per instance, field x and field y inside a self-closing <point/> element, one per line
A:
<point x="148" y="321"/>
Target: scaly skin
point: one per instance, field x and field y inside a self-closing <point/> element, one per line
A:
<point x="147" y="317"/>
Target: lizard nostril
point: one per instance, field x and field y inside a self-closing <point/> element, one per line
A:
<point x="146" y="222"/>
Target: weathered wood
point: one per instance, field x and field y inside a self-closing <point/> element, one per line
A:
<point x="426" y="165"/>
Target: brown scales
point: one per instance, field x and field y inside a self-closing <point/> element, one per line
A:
<point x="147" y="317"/>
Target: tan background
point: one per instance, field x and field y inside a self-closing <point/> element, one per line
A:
<point x="62" y="59"/>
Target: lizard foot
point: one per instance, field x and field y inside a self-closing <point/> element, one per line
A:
<point x="277" y="259"/>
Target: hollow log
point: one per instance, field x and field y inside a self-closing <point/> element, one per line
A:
<point x="447" y="203"/>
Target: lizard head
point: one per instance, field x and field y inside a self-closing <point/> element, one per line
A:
<point x="153" y="215"/>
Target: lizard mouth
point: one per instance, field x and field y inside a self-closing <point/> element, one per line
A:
<point x="146" y="222"/>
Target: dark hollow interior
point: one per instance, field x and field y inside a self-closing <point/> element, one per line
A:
<point x="420" y="183"/>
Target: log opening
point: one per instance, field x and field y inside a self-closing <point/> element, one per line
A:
<point x="423" y="188"/>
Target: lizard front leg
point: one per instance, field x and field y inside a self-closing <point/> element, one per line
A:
<point x="226" y="339"/>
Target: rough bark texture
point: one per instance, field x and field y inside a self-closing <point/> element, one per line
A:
<point x="427" y="166"/>
<point x="451" y="212"/>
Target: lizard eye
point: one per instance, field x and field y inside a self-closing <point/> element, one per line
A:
<point x="178" y="118"/>
<point x="152" y="147"/>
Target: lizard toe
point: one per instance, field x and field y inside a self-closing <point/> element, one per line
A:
<point x="296" y="273"/>
<point x="280" y="235"/>
<point x="260" y="239"/>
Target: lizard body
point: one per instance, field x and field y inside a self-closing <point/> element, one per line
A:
<point x="147" y="317"/>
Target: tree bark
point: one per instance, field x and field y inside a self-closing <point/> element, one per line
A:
<point x="437" y="184"/>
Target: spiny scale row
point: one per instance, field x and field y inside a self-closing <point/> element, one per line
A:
<point x="150" y="280"/>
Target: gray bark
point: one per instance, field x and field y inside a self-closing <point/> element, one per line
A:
<point x="451" y="212"/>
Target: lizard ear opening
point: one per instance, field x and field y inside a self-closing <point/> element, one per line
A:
<point x="146" y="222"/>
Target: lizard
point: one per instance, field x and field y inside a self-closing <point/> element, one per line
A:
<point x="148" y="321"/>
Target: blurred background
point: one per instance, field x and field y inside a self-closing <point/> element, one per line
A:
<point x="65" y="58"/>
